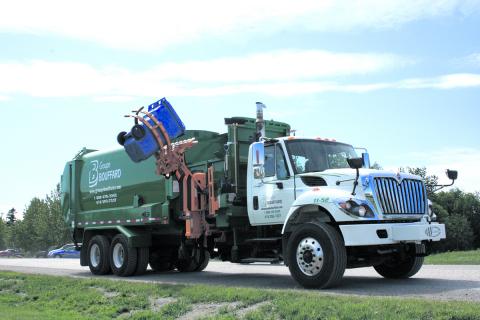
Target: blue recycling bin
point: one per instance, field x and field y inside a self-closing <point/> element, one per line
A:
<point x="140" y="143"/>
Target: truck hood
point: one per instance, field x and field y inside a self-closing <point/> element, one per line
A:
<point x="331" y="176"/>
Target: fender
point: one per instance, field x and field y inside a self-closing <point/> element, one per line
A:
<point x="322" y="198"/>
<point x="136" y="238"/>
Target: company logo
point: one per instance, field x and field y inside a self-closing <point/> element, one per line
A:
<point x="93" y="174"/>
<point x="398" y="177"/>
<point x="101" y="172"/>
<point x="433" y="232"/>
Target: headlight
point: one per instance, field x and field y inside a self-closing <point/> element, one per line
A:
<point x="351" y="207"/>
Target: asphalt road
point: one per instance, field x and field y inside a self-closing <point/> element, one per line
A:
<point x="433" y="282"/>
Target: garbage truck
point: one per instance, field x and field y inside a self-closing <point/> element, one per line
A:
<point x="253" y="194"/>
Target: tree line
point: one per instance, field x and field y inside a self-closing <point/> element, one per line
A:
<point x="458" y="210"/>
<point x="43" y="225"/>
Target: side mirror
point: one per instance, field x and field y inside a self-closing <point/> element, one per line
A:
<point x="366" y="160"/>
<point x="452" y="174"/>
<point x="258" y="160"/>
<point x="355" y="163"/>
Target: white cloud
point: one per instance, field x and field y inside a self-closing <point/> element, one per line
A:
<point x="279" y="66"/>
<point x="153" y="25"/>
<point x="118" y="98"/>
<point x="451" y="81"/>
<point x="278" y="73"/>
<point x="264" y="71"/>
<point x="4" y="98"/>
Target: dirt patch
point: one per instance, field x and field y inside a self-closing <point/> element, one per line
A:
<point x="206" y="310"/>
<point x="107" y="294"/>
<point x="242" y="312"/>
<point x="159" y="303"/>
<point x="125" y="313"/>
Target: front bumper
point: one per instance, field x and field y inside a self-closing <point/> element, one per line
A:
<point x="356" y="235"/>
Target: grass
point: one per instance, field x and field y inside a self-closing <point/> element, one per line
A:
<point x="455" y="258"/>
<point x="46" y="297"/>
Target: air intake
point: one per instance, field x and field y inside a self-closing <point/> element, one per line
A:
<point x="314" y="181"/>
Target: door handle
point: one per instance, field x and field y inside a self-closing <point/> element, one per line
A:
<point x="255" y="203"/>
<point x="280" y="185"/>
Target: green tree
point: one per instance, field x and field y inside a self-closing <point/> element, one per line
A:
<point x="467" y="205"/>
<point x="42" y="225"/>
<point x="376" y="166"/>
<point x="11" y="217"/>
<point x="459" y="232"/>
<point x="430" y="180"/>
<point x="3" y="234"/>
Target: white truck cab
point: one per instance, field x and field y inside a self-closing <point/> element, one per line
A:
<point x="334" y="210"/>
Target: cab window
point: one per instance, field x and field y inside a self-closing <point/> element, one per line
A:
<point x="281" y="163"/>
<point x="269" y="161"/>
<point x="275" y="162"/>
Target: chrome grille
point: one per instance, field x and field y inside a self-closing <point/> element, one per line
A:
<point x="407" y="197"/>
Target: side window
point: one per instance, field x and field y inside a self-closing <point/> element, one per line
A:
<point x="269" y="161"/>
<point x="281" y="163"/>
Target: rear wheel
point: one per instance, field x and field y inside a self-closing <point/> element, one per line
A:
<point x="400" y="269"/>
<point x="317" y="256"/>
<point x="204" y="262"/>
<point x="196" y="263"/>
<point x="98" y="255"/>
<point x="123" y="258"/>
<point x="186" y="265"/>
<point x="142" y="261"/>
<point x="161" y="260"/>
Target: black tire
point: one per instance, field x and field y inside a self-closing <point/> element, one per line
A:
<point x="138" y="132"/>
<point x="400" y="269"/>
<point x="161" y="266"/>
<point x="102" y="266"/>
<point x="187" y="265"/>
<point x="127" y="265"/>
<point x="121" y="138"/>
<point x="204" y="263"/>
<point x="333" y="262"/>
<point x="161" y="262"/>
<point x="143" y="255"/>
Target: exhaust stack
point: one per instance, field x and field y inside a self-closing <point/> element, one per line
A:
<point x="260" y="122"/>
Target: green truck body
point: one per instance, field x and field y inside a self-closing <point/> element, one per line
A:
<point x="105" y="192"/>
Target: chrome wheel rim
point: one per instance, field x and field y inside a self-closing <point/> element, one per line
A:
<point x="118" y="255"/>
<point x="310" y="257"/>
<point x="95" y="255"/>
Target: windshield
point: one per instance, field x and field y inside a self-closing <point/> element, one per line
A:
<point x="315" y="155"/>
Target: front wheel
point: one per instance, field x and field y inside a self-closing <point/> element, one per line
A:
<point x="317" y="255"/>
<point x="400" y="269"/>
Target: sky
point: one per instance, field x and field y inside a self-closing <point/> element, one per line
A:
<point x="401" y="78"/>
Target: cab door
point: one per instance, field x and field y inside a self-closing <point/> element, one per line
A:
<point x="274" y="194"/>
